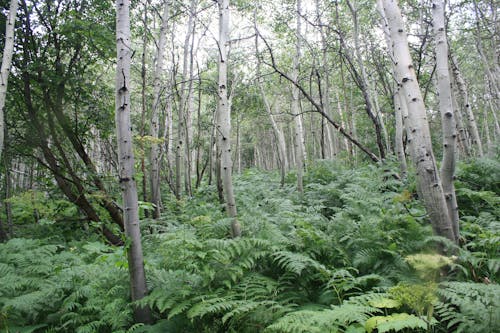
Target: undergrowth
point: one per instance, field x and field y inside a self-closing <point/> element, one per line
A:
<point x="354" y="253"/>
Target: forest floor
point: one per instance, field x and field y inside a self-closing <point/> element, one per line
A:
<point x="353" y="253"/>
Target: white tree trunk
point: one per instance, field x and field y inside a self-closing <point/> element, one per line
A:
<point x="462" y="88"/>
<point x="462" y="133"/>
<point x="299" y="128"/>
<point x="6" y="63"/>
<point x="398" y="140"/>
<point x="182" y="133"/>
<point x="155" y="114"/>
<point x="126" y="160"/>
<point x="446" y="109"/>
<point x="224" y="119"/>
<point x="422" y="153"/>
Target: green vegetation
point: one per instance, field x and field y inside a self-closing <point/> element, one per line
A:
<point x="354" y="253"/>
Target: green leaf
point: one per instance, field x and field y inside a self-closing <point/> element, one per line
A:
<point x="396" y="322"/>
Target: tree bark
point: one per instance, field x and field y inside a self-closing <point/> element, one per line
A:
<point x="6" y="63"/>
<point x="155" y="159"/>
<point x="446" y="109"/>
<point x="361" y="79"/>
<point x="423" y="155"/>
<point x="224" y="119"/>
<point x="466" y="105"/>
<point x="138" y="287"/>
<point x="398" y="139"/>
<point x="299" y="130"/>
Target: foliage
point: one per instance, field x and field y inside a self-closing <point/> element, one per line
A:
<point x="78" y="287"/>
<point x="355" y="253"/>
<point x="470" y="307"/>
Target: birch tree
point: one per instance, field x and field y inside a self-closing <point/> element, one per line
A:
<point x="224" y="119"/>
<point x="138" y="287"/>
<point x="6" y="63"/>
<point x="155" y="117"/>
<point x="466" y="105"/>
<point x="446" y="110"/>
<point x="299" y="128"/>
<point x="428" y="177"/>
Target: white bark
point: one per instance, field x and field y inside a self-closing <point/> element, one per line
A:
<point x="224" y="119"/>
<point x="446" y="109"/>
<point x="299" y="130"/>
<point x="398" y="140"/>
<point x="155" y="114"/>
<point x="6" y="63"/>
<point x="422" y="153"/>
<point x="182" y="132"/>
<point x="462" y="133"/>
<point x="466" y="104"/>
<point x="126" y="160"/>
<point x="328" y="137"/>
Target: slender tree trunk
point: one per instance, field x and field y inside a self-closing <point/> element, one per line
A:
<point x="155" y="159"/>
<point x="199" y="146"/>
<point x="423" y="156"/>
<point x="299" y="130"/>
<point x="189" y="112"/>
<point x="144" y="108"/>
<point x="446" y="109"/>
<point x="280" y="138"/>
<point x="238" y="146"/>
<point x="8" y="194"/>
<point x="325" y="89"/>
<point x="224" y="123"/>
<point x="491" y="70"/>
<point x="126" y="160"/>
<point x="362" y="81"/>
<point x="466" y="105"/>
<point x="462" y="133"/>
<point x="6" y="63"/>
<point x="182" y="131"/>
<point x="489" y="143"/>
<point x="398" y="140"/>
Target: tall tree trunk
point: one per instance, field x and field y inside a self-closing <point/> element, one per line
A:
<point x="446" y="109"/>
<point x="138" y="287"/>
<point x="144" y="108"/>
<point x="462" y="133"/>
<point x="188" y="114"/>
<point x="182" y="173"/>
<point x="280" y="138"/>
<point x="398" y="140"/>
<point x="466" y="105"/>
<point x="423" y="155"/>
<point x="155" y="159"/>
<point x="361" y="79"/>
<point x="299" y="130"/>
<point x="224" y="119"/>
<point x="6" y="63"/>
<point x="325" y="88"/>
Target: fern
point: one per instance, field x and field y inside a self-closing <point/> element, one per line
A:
<point x="470" y="307"/>
<point x="395" y="323"/>
<point x="337" y="319"/>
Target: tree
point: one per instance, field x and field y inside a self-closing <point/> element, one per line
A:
<point x="4" y="77"/>
<point x="6" y="63"/>
<point x="155" y="117"/>
<point x="56" y="51"/>
<point x="446" y="108"/>
<point x="126" y="160"/>
<point x="224" y="119"/>
<point x="428" y="178"/>
<point x="298" y="139"/>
